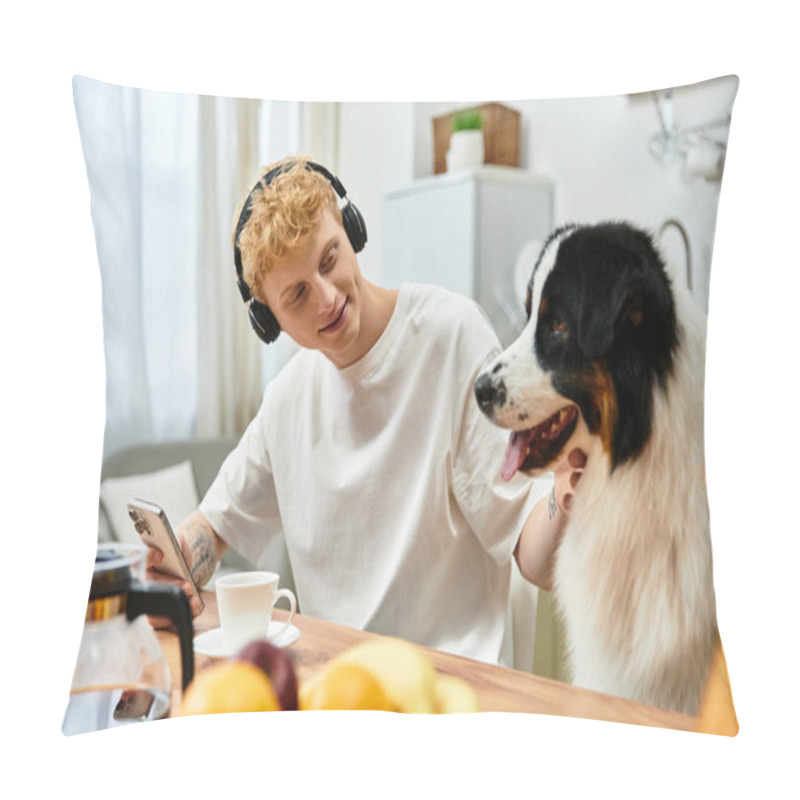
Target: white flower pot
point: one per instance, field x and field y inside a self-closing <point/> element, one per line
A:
<point x="466" y="150"/>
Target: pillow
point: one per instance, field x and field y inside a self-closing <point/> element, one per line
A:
<point x="172" y="488"/>
<point x="654" y="159"/>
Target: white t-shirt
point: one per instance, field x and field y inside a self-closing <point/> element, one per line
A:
<point x="385" y="478"/>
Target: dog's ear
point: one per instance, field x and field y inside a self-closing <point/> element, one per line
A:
<point x="604" y="318"/>
<point x="636" y="310"/>
<point x="626" y="300"/>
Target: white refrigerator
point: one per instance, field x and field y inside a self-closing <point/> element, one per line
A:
<point x="467" y="231"/>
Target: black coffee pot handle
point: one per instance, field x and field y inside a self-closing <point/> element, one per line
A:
<point x="165" y="600"/>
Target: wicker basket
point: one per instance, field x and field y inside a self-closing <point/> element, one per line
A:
<point x="501" y="134"/>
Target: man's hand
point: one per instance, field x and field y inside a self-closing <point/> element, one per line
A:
<point x="154" y="558"/>
<point x="567" y="473"/>
<point x="202" y="549"/>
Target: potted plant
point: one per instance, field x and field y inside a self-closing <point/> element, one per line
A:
<point x="466" y="141"/>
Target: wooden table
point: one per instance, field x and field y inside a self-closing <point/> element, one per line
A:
<point x="499" y="688"/>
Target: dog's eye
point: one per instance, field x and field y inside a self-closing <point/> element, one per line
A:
<point x="557" y="326"/>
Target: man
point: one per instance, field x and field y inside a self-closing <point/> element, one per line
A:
<point x="369" y="452"/>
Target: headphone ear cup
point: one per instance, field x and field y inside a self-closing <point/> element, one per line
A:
<point x="354" y="226"/>
<point x="263" y="321"/>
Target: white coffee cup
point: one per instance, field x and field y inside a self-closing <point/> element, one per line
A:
<point x="245" y="601"/>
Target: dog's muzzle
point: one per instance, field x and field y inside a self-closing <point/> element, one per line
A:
<point x="489" y="394"/>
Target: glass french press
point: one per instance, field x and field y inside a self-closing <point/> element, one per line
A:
<point x="121" y="675"/>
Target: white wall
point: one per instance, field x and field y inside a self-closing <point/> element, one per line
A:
<point x="376" y="155"/>
<point x="594" y="149"/>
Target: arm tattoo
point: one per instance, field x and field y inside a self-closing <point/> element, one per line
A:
<point x="552" y="508"/>
<point x="204" y="558"/>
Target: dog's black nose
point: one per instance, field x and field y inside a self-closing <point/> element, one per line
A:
<point x="484" y="391"/>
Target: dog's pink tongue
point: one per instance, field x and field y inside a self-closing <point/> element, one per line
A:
<point x="515" y="454"/>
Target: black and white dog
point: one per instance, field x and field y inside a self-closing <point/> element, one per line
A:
<point x="612" y="361"/>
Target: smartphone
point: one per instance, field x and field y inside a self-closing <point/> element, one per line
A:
<point x="153" y="527"/>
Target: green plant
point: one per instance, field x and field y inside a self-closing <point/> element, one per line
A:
<point x="468" y="121"/>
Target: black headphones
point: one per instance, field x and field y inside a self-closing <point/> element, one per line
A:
<point x="261" y="318"/>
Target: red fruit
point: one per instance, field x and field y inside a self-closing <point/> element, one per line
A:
<point x="278" y="667"/>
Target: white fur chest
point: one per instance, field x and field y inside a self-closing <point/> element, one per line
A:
<point x="633" y="577"/>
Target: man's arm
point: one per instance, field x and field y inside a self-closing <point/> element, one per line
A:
<point x="541" y="534"/>
<point x="201" y="547"/>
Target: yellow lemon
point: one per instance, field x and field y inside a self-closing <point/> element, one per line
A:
<point x="404" y="671"/>
<point x="455" y="696"/>
<point x="344" y="687"/>
<point x="228" y="687"/>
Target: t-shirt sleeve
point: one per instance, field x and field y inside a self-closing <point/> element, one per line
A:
<point x="495" y="509"/>
<point x="241" y="504"/>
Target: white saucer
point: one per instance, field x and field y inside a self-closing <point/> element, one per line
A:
<point x="212" y="644"/>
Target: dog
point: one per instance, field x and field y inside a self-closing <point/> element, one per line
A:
<point x="611" y="361"/>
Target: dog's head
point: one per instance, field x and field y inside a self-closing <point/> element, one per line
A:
<point x="601" y="332"/>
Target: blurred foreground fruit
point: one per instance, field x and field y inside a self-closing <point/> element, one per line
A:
<point x="277" y="665"/>
<point x="344" y="687"/>
<point x="228" y="687"/>
<point x="388" y="674"/>
<point x="404" y="672"/>
<point x="455" y="696"/>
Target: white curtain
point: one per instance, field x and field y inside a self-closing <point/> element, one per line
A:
<point x="228" y="351"/>
<point x="166" y="172"/>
